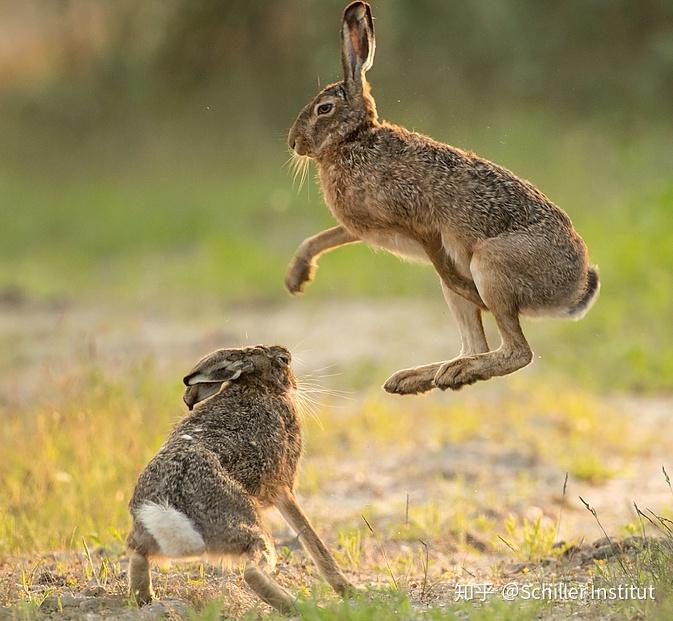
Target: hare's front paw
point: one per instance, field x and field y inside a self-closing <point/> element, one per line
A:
<point x="346" y="589"/>
<point x="457" y="373"/>
<point x="298" y="274"/>
<point x="351" y="591"/>
<point x="143" y="597"/>
<point x="412" y="381"/>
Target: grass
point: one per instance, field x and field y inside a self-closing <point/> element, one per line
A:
<point x="396" y="605"/>
<point x="531" y="539"/>
<point x="531" y="417"/>
<point x="441" y="482"/>
<point x="93" y="432"/>
<point x="163" y="235"/>
<point x="451" y="487"/>
<point x="648" y="568"/>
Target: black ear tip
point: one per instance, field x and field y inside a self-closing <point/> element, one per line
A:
<point x="356" y="11"/>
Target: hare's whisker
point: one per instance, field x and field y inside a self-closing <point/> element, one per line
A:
<point x="322" y="375"/>
<point x="315" y="380"/>
<point x="321" y="388"/>
<point x="315" y="392"/>
<point x="329" y="394"/>
<point x="326" y="391"/>
<point x="308" y="407"/>
<point x="325" y="367"/>
<point x="288" y="162"/>
<point x="299" y="166"/>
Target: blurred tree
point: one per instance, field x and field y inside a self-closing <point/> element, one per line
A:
<point x="586" y="57"/>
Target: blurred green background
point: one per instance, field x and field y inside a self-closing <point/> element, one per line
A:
<point x="142" y="149"/>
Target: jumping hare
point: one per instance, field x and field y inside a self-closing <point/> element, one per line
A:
<point x="497" y="243"/>
<point x="234" y="455"/>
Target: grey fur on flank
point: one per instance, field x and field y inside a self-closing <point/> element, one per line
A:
<point x="234" y="455"/>
<point x="496" y="241"/>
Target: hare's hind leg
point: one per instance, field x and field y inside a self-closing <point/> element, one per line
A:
<point x="473" y="339"/>
<point x="513" y="354"/>
<point x="262" y="559"/>
<point x="140" y="578"/>
<point x="290" y="510"/>
<point x="468" y="318"/>
<point x="235" y="529"/>
<point x="491" y="273"/>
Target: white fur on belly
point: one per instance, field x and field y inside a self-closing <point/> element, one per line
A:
<point x="399" y="245"/>
<point x="171" y="529"/>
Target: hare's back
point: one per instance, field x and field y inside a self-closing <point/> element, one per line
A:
<point x="257" y="443"/>
<point x="469" y="189"/>
<point x="178" y="475"/>
<point x="398" y="182"/>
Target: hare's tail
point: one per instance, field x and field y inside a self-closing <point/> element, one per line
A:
<point x="589" y="296"/>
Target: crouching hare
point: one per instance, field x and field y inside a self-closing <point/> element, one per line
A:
<point x="234" y="455"/>
<point x="496" y="241"/>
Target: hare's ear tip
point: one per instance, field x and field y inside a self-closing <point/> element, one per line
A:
<point x="196" y="378"/>
<point x="356" y="9"/>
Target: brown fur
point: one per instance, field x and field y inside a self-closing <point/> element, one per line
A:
<point x="496" y="241"/>
<point x="234" y="455"/>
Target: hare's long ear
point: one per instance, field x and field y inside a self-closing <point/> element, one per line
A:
<point x="357" y="44"/>
<point x="207" y="378"/>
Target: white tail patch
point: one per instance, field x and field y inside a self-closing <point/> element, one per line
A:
<point x="172" y="530"/>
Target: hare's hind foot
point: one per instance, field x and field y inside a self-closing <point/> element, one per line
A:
<point x="268" y="590"/>
<point x="466" y="370"/>
<point x="513" y="354"/>
<point x="457" y="373"/>
<point x="412" y="381"/>
<point x="262" y="559"/>
<point x="140" y="579"/>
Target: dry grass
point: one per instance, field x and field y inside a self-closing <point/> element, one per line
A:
<point x="414" y="495"/>
<point x="90" y="434"/>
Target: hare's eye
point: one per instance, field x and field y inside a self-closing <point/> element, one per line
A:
<point x="324" y="108"/>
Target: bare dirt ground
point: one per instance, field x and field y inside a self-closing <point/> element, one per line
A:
<point x="453" y="497"/>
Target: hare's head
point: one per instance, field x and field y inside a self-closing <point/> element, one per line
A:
<point x="340" y="110"/>
<point x="259" y="365"/>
